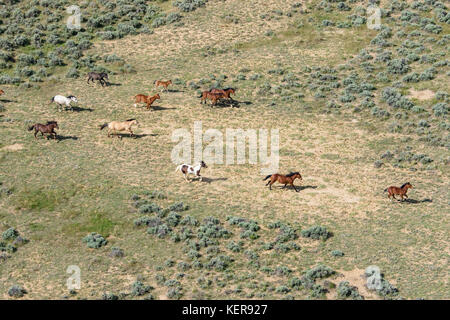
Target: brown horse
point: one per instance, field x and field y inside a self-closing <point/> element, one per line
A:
<point x="287" y="179"/>
<point x="165" y="84"/>
<point x="214" y="97"/>
<point x="393" y="191"/>
<point x="2" y="92"/>
<point x="145" y="99"/>
<point x="45" y="128"/>
<point x="226" y="92"/>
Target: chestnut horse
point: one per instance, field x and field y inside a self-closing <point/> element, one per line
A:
<point x="226" y="92"/>
<point x="287" y="179"/>
<point x="214" y="97"/>
<point x="120" y="126"/>
<point x="393" y="191"/>
<point x="45" y="128"/>
<point x="2" y="92"/>
<point x="145" y="99"/>
<point x="165" y="84"/>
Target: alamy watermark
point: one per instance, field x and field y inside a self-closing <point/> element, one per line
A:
<point x="74" y="20"/>
<point x="373" y="17"/>
<point x="74" y="281"/>
<point x="215" y="147"/>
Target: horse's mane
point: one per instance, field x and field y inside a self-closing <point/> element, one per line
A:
<point x="68" y="97"/>
<point x="404" y="185"/>
<point x="292" y="173"/>
<point x="51" y="122"/>
<point x="229" y="89"/>
<point x="130" y="119"/>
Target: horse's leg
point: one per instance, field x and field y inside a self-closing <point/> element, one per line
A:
<point x="292" y="184"/>
<point x="35" y="133"/>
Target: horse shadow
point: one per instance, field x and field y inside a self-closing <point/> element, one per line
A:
<point x="174" y="90"/>
<point x="413" y="201"/>
<point x="299" y="188"/>
<point x="231" y="103"/>
<point x="62" y="138"/>
<point x="81" y="109"/>
<point x="8" y="101"/>
<point x="135" y="136"/>
<point x="112" y="84"/>
<point x="159" y="108"/>
<point x="209" y="180"/>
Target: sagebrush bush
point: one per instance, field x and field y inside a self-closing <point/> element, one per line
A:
<point x="345" y="291"/>
<point x="16" y="291"/>
<point x="10" y="234"/>
<point x="316" y="232"/>
<point x="139" y="289"/>
<point x="95" y="240"/>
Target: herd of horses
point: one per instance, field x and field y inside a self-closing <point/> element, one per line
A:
<point x="214" y="95"/>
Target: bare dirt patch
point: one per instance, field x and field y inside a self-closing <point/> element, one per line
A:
<point x="13" y="147"/>
<point x="421" y="95"/>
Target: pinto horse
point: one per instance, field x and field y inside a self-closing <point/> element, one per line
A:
<point x="148" y="100"/>
<point x="165" y="84"/>
<point x="287" y="179"/>
<point x="115" y="126"/>
<point x="213" y="96"/>
<point x="187" y="169"/>
<point x="393" y="191"/>
<point x="45" y="128"/>
<point x="98" y="76"/>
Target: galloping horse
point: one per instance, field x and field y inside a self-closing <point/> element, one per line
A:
<point x="120" y="126"/>
<point x="287" y="179"/>
<point x="187" y="169"/>
<point x="61" y="100"/>
<point x="165" y="84"/>
<point x="145" y="99"/>
<point x="98" y="76"/>
<point x="226" y="92"/>
<point x="45" y="128"/>
<point x="214" y="97"/>
<point x="392" y="191"/>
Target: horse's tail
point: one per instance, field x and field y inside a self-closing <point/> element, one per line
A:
<point x="267" y="177"/>
<point x="31" y="127"/>
<point x="103" y="126"/>
<point x="52" y="100"/>
<point x="385" y="190"/>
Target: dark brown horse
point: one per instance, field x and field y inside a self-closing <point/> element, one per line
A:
<point x="165" y="84"/>
<point x="214" y="97"/>
<point x="287" y="179"/>
<point x="393" y="191"/>
<point x="226" y="92"/>
<point x="45" y="128"/>
<point x="98" y="76"/>
<point x="148" y="100"/>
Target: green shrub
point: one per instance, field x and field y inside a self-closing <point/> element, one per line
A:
<point x="94" y="240"/>
<point x="345" y="291"/>
<point x="188" y="5"/>
<point x="10" y="234"/>
<point x="16" y="291"/>
<point x="316" y="232"/>
<point x="139" y="289"/>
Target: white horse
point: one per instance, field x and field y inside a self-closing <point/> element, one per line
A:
<point x="61" y="100"/>
<point x="187" y="169"/>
